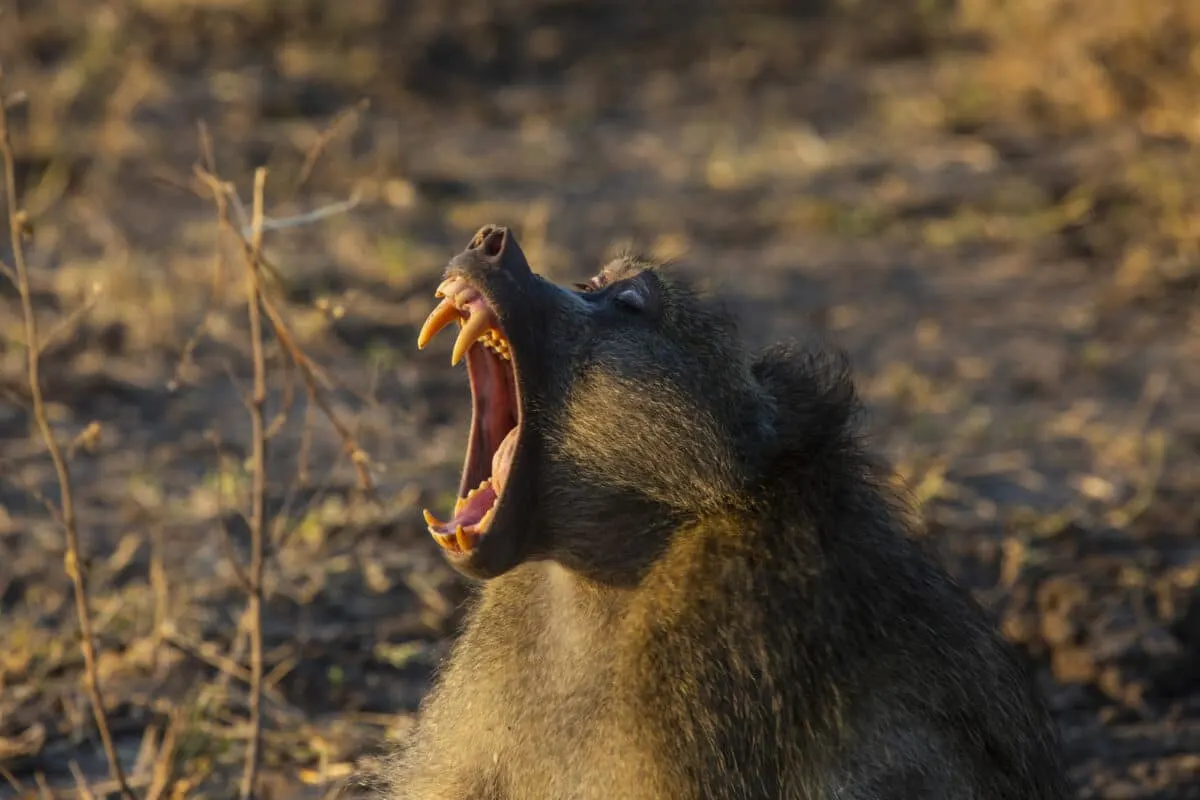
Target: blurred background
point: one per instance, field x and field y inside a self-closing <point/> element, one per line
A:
<point x="993" y="205"/>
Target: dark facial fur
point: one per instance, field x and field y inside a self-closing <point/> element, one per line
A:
<point x="655" y="418"/>
<point x="708" y="590"/>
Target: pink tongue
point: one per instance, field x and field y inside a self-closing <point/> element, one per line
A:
<point x="471" y="512"/>
<point x="502" y="460"/>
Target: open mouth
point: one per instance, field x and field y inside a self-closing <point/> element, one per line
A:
<point x="495" y="411"/>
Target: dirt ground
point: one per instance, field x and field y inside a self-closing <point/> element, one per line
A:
<point x="992" y="205"/>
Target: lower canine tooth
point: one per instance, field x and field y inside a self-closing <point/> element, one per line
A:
<point x="431" y="520"/>
<point x="464" y="539"/>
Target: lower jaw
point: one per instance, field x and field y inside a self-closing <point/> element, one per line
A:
<point x="459" y="536"/>
<point x="475" y="508"/>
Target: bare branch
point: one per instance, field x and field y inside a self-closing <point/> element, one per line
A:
<point x="81" y="783"/>
<point x="73" y="561"/>
<point x="12" y="781"/>
<point x="163" y="763"/>
<point x="314" y="152"/>
<point x="314" y="378"/>
<point x="316" y="215"/>
<point x="68" y="323"/>
<point x="258" y="460"/>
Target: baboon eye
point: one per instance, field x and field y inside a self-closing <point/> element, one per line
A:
<point x="594" y="284"/>
<point x="629" y="297"/>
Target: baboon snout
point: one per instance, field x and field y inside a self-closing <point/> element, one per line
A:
<point x="494" y="247"/>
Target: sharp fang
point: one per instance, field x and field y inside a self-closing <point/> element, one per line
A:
<point x="431" y="520"/>
<point x="463" y="539"/>
<point x="439" y="318"/>
<point x="479" y="321"/>
<point x="447" y="541"/>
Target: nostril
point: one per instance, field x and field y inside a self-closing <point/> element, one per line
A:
<point x="489" y="241"/>
<point x="493" y="247"/>
<point x="493" y="243"/>
<point x="480" y="235"/>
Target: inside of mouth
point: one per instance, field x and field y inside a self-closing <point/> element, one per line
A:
<point x="495" y="425"/>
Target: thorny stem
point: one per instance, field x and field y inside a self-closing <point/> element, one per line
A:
<point x="258" y="491"/>
<point x="73" y="563"/>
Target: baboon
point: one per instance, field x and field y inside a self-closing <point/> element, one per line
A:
<point x="695" y="581"/>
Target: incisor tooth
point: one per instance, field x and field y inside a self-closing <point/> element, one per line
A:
<point x="478" y="322"/>
<point x="446" y="287"/>
<point x="439" y="318"/>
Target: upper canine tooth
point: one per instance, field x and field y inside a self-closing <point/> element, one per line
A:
<point x="475" y="325"/>
<point x="439" y="318"/>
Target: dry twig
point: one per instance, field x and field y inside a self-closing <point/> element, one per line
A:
<point x="81" y="783"/>
<point x="249" y="230"/>
<point x="258" y="460"/>
<point x="12" y="781"/>
<point x="73" y="562"/>
<point x="314" y="378"/>
<point x="314" y="153"/>
<point x="164" y="762"/>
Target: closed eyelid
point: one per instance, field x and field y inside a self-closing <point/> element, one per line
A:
<point x="633" y="296"/>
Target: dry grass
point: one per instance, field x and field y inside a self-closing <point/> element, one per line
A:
<point x="1072" y="64"/>
<point x="993" y="204"/>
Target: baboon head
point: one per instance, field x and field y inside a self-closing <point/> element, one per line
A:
<point x="603" y="415"/>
